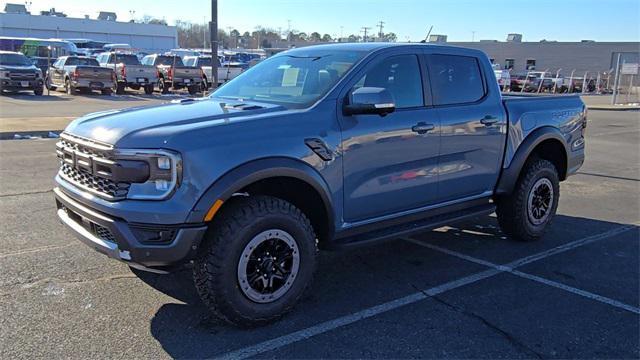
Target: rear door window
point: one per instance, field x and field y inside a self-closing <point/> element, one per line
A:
<point x="455" y="79"/>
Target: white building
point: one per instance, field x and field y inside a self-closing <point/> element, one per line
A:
<point x="149" y="37"/>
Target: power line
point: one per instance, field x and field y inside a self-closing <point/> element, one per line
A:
<point x="381" y="26"/>
<point x="365" y="29"/>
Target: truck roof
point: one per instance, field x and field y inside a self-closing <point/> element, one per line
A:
<point x="374" y="46"/>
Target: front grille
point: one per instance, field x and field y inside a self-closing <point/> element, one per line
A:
<point x="103" y="233"/>
<point x="22" y="76"/>
<point x="97" y="185"/>
<point x="89" y="166"/>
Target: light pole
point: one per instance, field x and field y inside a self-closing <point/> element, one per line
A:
<point x="214" y="41"/>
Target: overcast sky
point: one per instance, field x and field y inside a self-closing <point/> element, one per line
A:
<point x="461" y="20"/>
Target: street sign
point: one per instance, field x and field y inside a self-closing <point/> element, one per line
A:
<point x="629" y="69"/>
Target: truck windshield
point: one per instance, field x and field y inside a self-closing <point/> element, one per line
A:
<point x="293" y="80"/>
<point x="14" y="59"/>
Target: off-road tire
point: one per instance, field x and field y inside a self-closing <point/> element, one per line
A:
<point x="148" y="89"/>
<point x="68" y="88"/>
<point x="215" y="269"/>
<point x="512" y="209"/>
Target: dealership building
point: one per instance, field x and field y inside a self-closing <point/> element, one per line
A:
<point x="584" y="56"/>
<point x="17" y="22"/>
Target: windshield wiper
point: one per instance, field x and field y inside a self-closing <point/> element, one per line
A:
<point x="313" y="58"/>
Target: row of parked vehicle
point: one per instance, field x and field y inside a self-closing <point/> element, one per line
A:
<point x="113" y="72"/>
<point x="543" y="81"/>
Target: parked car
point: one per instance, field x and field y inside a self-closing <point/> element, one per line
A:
<point x="317" y="147"/>
<point x="79" y="72"/>
<point x="43" y="63"/>
<point x="225" y="73"/>
<point x="18" y="73"/>
<point x="129" y="72"/>
<point x="173" y="74"/>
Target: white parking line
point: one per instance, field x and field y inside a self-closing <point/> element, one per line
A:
<point x="327" y="326"/>
<point x="510" y="267"/>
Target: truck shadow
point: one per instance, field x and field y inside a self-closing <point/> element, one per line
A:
<point x="353" y="279"/>
<point x="31" y="97"/>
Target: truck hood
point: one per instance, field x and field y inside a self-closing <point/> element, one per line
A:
<point x="113" y="125"/>
<point x="18" y="67"/>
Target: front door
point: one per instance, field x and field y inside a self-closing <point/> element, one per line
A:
<point x="473" y="127"/>
<point x="390" y="162"/>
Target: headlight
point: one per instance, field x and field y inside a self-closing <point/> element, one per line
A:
<point x="5" y="74"/>
<point x="39" y="73"/>
<point x="165" y="173"/>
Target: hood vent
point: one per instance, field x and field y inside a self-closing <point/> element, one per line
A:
<point x="242" y="106"/>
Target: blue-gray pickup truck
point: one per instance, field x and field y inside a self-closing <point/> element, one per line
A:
<point x="314" y="148"/>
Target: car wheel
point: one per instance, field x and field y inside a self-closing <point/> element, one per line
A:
<point x="525" y="214"/>
<point x="162" y="87"/>
<point x="193" y="89"/>
<point x="68" y="88"/>
<point x="38" y="90"/>
<point x="148" y="89"/>
<point x="256" y="262"/>
<point x="106" y="91"/>
<point x="118" y="88"/>
<point x="47" y="83"/>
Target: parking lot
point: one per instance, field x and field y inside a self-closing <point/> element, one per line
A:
<point x="463" y="291"/>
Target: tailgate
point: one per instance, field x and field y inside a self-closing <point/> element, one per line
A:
<point x="96" y="73"/>
<point x="187" y="73"/>
<point x="141" y="71"/>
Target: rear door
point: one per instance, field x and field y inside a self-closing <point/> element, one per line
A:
<point x="473" y="125"/>
<point x="389" y="164"/>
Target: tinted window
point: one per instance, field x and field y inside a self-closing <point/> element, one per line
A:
<point x="455" y="79"/>
<point x="401" y="76"/>
<point x="127" y="59"/>
<point x="14" y="59"/>
<point x="81" y="61"/>
<point x="169" y="60"/>
<point x="206" y="61"/>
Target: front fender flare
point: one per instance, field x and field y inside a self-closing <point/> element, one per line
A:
<point x="510" y="175"/>
<point x="248" y="173"/>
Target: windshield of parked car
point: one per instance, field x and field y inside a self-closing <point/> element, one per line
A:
<point x="82" y="61"/>
<point x="169" y="60"/>
<point x="294" y="80"/>
<point x="14" y="60"/>
<point x="127" y="59"/>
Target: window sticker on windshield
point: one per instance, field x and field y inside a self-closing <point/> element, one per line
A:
<point x="290" y="77"/>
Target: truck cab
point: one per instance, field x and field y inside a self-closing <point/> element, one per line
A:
<point x="320" y="147"/>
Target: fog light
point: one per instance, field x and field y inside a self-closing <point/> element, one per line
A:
<point x="164" y="163"/>
<point x="162" y="185"/>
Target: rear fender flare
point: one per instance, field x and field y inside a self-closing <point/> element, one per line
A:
<point x="510" y="175"/>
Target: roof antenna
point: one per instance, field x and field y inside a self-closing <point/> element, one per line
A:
<point x="427" y="37"/>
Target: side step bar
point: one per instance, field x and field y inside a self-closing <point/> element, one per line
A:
<point x="408" y="228"/>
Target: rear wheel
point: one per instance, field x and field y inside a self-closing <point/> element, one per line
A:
<point x="193" y="89"/>
<point x="162" y="86"/>
<point x="106" y="91"/>
<point x="68" y="88"/>
<point x="257" y="260"/>
<point x="525" y="214"/>
<point x="118" y="88"/>
<point x="148" y="89"/>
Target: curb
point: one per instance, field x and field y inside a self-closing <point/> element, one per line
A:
<point x="613" y="108"/>
<point x="25" y="135"/>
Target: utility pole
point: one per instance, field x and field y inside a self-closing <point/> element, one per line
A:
<point x="380" y="33"/>
<point x="473" y="35"/>
<point x="288" y="30"/>
<point x="214" y="42"/>
<point x="365" y="29"/>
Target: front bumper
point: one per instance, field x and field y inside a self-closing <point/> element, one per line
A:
<point x="18" y="84"/>
<point x="117" y="238"/>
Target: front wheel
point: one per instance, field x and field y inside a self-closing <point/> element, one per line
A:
<point x="526" y="213"/>
<point x="256" y="262"/>
<point x="68" y="88"/>
<point x="38" y="90"/>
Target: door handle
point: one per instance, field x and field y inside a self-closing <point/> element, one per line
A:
<point x="422" y="128"/>
<point x="489" y="120"/>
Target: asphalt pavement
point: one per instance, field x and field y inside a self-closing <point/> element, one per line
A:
<point x="463" y="291"/>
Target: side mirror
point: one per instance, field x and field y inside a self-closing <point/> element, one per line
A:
<point x="370" y="100"/>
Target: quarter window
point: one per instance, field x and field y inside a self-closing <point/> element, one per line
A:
<point x="455" y="79"/>
<point x="401" y="76"/>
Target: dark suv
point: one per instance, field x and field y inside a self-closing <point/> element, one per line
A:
<point x="18" y="73"/>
